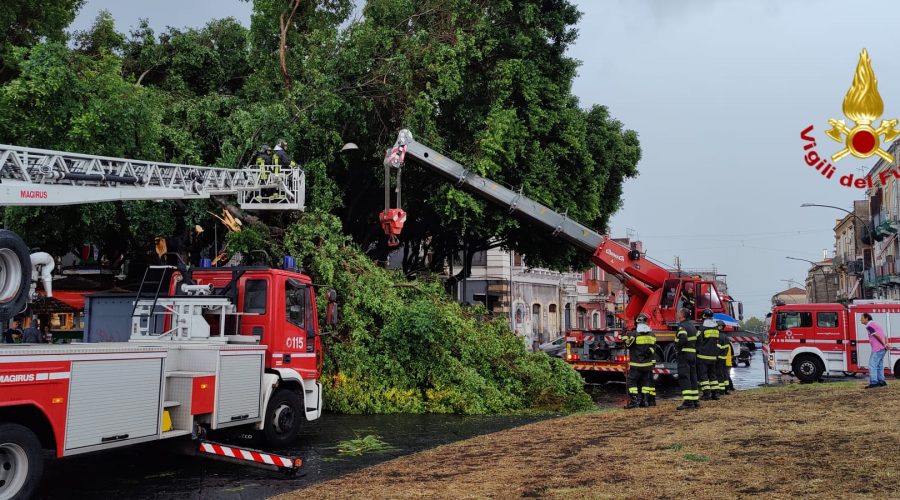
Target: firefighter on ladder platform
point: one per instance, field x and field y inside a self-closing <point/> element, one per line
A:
<point x="642" y="354"/>
<point x="686" y="345"/>
<point x="708" y="355"/>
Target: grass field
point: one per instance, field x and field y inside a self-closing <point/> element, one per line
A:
<point x="833" y="440"/>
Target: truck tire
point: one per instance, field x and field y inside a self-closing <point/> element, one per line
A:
<point x="897" y="369"/>
<point x="15" y="274"/>
<point x="21" y="463"/>
<point x="284" y="416"/>
<point x="808" y="368"/>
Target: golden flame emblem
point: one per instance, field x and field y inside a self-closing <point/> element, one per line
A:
<point x="863" y="105"/>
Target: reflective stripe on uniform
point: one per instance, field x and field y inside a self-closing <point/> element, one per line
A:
<point x="632" y="390"/>
<point x="710" y="358"/>
<point x="689" y="349"/>
<point x="643" y="365"/>
<point x="645" y="340"/>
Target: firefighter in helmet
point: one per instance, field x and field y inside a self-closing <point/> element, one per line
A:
<point x="686" y="346"/>
<point x="641" y="346"/>
<point x="707" y="357"/>
<point x="724" y="360"/>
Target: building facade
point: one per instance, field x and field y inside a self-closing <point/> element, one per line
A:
<point x="541" y="304"/>
<point x="822" y="283"/>
<point x="852" y="252"/>
<point x="882" y="277"/>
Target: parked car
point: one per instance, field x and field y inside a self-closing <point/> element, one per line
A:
<point x="555" y="347"/>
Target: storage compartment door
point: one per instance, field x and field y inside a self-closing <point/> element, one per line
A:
<point x="239" y="388"/>
<point x="112" y="401"/>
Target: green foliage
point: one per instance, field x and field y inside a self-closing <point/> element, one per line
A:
<point x="489" y="83"/>
<point x="406" y="347"/>
<point x="368" y="444"/>
<point x="753" y="324"/>
<point x="25" y="22"/>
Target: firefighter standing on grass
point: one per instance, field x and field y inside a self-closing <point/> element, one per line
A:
<point x="641" y="346"/>
<point x="686" y="345"/>
<point x="707" y="356"/>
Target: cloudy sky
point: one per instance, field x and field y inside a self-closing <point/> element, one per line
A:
<point x="719" y="92"/>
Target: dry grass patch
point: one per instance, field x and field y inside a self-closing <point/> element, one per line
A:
<point x="823" y="440"/>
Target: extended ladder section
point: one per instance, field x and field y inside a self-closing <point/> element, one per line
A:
<point x="639" y="275"/>
<point x="39" y="177"/>
<point x="556" y="223"/>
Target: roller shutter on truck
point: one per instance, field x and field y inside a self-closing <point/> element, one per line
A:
<point x="111" y="401"/>
<point x="239" y="388"/>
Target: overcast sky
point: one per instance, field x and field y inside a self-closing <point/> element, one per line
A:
<point x="719" y="92"/>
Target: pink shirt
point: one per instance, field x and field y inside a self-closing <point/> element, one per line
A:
<point x="874" y="328"/>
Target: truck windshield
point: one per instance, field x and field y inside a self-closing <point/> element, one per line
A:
<point x="295" y="302"/>
<point x="786" y="320"/>
<point x="709" y="297"/>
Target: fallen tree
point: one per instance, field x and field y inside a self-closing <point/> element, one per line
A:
<point x="405" y="346"/>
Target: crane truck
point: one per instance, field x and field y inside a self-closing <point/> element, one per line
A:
<point x="653" y="290"/>
<point x="209" y="348"/>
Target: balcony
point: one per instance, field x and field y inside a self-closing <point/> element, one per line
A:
<point x="885" y="228"/>
<point x="840" y="260"/>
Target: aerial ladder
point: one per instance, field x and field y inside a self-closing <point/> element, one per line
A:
<point x="653" y="290"/>
<point x="41" y="177"/>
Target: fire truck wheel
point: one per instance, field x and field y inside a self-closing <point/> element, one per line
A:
<point x="808" y="368"/>
<point x="284" y="415"/>
<point x="15" y="273"/>
<point x="21" y="463"/>
<point x="897" y="369"/>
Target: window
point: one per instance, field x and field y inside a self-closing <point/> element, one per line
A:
<point x="479" y="258"/>
<point x="827" y="320"/>
<point x="255" y="296"/>
<point x="595" y="320"/>
<point x="580" y="315"/>
<point x="295" y="302"/>
<point x="668" y="294"/>
<point x="788" y="320"/>
<point x="709" y="297"/>
<point x="536" y="318"/>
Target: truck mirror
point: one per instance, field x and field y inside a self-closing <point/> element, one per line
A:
<point x="740" y="311"/>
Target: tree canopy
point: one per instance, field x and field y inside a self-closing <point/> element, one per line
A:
<point x="488" y="83"/>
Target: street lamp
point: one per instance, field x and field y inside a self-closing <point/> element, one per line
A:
<point x="824" y="275"/>
<point x="865" y="226"/>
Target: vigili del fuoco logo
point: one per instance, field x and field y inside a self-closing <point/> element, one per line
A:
<point x="863" y="106"/>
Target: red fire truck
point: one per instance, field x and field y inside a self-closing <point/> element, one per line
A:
<point x="224" y="348"/>
<point x="816" y="340"/>
<point x="653" y="290"/>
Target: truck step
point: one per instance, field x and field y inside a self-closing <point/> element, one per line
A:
<point x="171" y="404"/>
<point x="175" y="433"/>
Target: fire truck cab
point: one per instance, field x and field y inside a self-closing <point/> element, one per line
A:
<point x="817" y="340"/>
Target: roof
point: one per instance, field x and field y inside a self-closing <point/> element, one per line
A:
<point x="818" y="306"/>
<point x="792" y="291"/>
